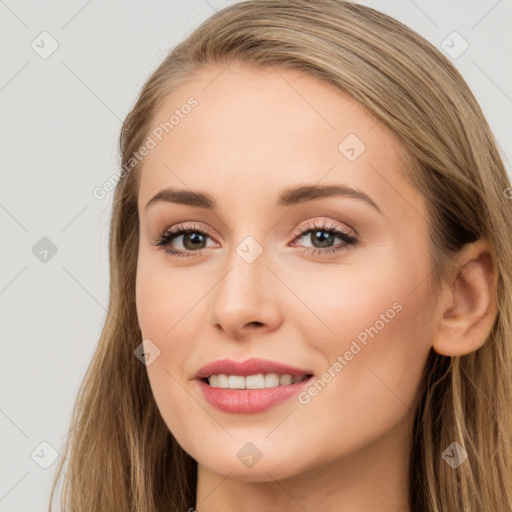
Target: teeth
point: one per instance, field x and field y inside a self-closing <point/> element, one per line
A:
<point x="285" y="380"/>
<point x="255" y="381"/>
<point x="236" y="382"/>
<point x="259" y="381"/>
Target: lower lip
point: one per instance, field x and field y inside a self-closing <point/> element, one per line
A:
<point x="249" y="401"/>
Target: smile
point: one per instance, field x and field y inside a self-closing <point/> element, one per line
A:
<point x="250" y="386"/>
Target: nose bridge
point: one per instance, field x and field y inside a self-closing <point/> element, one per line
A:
<point x="245" y="293"/>
<point x="247" y="272"/>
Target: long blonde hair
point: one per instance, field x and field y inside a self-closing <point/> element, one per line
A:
<point x="120" y="453"/>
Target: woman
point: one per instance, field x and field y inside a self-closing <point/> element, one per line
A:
<point x="310" y="302"/>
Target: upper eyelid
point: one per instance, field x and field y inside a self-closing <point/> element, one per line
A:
<point x="327" y="225"/>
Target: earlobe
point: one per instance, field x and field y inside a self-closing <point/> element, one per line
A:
<point x="470" y="307"/>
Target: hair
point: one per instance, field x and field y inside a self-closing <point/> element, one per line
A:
<point x="122" y="455"/>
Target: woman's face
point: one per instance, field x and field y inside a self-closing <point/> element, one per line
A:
<point x="265" y="272"/>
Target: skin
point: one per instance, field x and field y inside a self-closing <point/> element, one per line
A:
<point x="253" y="133"/>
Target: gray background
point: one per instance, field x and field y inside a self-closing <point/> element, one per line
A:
<point x="61" y="117"/>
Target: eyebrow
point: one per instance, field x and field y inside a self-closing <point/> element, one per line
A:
<point x="288" y="197"/>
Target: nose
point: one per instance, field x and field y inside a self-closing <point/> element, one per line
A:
<point x="246" y="299"/>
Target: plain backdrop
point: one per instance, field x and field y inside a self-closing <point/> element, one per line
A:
<point x="60" y="118"/>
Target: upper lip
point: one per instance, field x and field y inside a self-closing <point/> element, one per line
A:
<point x="250" y="366"/>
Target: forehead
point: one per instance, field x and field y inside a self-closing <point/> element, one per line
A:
<point x="258" y="131"/>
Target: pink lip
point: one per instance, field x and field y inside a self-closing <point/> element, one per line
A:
<point x="251" y="366"/>
<point x="248" y="401"/>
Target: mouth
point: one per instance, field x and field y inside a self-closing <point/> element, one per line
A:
<point x="251" y="386"/>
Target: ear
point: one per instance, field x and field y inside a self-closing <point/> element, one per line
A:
<point x="469" y="306"/>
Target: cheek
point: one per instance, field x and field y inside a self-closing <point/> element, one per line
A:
<point x="372" y="332"/>
<point x="158" y="311"/>
<point x="167" y="307"/>
<point x="164" y="296"/>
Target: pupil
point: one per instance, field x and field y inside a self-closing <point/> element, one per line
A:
<point x="195" y="238"/>
<point x="323" y="240"/>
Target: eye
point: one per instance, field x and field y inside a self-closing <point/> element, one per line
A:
<point x="322" y="238"/>
<point x="193" y="240"/>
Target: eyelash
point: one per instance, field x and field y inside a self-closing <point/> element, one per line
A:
<point x="164" y="239"/>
